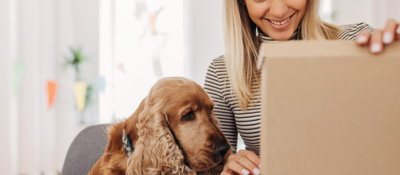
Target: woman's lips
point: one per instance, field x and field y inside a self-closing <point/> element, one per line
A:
<point x="282" y="24"/>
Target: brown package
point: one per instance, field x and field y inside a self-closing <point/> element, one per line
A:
<point x="329" y="108"/>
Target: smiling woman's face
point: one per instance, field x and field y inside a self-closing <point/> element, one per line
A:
<point x="278" y="19"/>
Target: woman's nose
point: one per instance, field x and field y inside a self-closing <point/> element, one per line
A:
<point x="278" y="9"/>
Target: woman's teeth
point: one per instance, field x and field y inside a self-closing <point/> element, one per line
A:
<point x="280" y="23"/>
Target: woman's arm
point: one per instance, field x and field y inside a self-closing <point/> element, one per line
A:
<point x="244" y="162"/>
<point x="222" y="110"/>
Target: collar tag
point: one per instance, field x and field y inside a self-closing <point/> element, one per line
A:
<point x="127" y="143"/>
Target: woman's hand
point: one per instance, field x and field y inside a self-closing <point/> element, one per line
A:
<point x="379" y="38"/>
<point x="244" y="162"/>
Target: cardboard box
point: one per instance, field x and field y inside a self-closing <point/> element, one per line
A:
<point x="330" y="108"/>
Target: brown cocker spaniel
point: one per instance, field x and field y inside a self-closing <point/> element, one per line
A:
<point x="174" y="131"/>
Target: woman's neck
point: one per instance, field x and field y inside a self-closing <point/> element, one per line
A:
<point x="262" y="37"/>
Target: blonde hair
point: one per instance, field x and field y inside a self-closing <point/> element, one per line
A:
<point x="242" y="45"/>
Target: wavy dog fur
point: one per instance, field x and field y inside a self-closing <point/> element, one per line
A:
<point x="157" y="150"/>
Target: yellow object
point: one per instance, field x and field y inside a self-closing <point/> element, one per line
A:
<point x="80" y="95"/>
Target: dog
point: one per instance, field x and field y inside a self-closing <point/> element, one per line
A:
<point x="173" y="131"/>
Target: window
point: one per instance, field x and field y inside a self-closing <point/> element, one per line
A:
<point x="326" y="11"/>
<point x="145" y="43"/>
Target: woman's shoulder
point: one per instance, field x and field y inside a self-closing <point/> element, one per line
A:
<point x="217" y="68"/>
<point x="351" y="31"/>
<point x="218" y="63"/>
<point x="215" y="71"/>
<point x="219" y="60"/>
<point x="355" y="27"/>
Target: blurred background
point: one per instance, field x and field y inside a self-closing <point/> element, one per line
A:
<point x="68" y="64"/>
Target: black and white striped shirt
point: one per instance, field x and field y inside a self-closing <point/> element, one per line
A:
<point x="247" y="123"/>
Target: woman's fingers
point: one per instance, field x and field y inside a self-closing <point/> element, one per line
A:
<point x="233" y="167"/>
<point x="249" y="165"/>
<point x="249" y="160"/>
<point x="378" y="38"/>
<point x="389" y="31"/>
<point x="251" y="156"/>
<point x="376" y="43"/>
<point x="244" y="162"/>
<point x="363" y="37"/>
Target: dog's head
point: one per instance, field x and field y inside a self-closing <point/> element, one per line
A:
<point x="178" y="127"/>
<point x="193" y="124"/>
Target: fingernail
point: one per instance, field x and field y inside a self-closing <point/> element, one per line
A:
<point x="361" y="39"/>
<point x="398" y="30"/>
<point x="245" y="172"/>
<point x="387" y="38"/>
<point x="256" y="171"/>
<point x="259" y="166"/>
<point x="376" y="47"/>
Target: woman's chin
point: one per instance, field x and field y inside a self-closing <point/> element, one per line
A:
<point x="282" y="36"/>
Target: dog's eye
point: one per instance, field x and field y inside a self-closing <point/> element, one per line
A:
<point x="188" y="116"/>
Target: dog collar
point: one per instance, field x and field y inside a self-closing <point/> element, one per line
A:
<point x="127" y="143"/>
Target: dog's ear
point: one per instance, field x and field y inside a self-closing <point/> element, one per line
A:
<point x="155" y="150"/>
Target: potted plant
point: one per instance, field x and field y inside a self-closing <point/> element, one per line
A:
<point x="82" y="90"/>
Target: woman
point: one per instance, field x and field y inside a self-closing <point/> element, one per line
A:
<point x="232" y="80"/>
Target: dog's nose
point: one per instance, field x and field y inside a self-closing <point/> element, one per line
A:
<point x="221" y="149"/>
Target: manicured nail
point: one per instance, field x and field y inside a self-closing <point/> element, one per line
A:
<point x="376" y="47"/>
<point x="398" y="30"/>
<point x="245" y="172"/>
<point x="256" y="171"/>
<point x="387" y="38"/>
<point x="361" y="39"/>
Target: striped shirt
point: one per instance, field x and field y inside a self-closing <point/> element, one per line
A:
<point x="247" y="123"/>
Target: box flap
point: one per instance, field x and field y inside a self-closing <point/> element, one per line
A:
<point x="318" y="48"/>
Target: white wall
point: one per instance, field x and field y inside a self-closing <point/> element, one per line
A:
<point x="63" y="102"/>
<point x="373" y="12"/>
<point x="8" y="117"/>
<point x="203" y="36"/>
<point x="29" y="95"/>
<point x="48" y="61"/>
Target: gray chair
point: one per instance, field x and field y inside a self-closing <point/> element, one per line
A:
<point x="85" y="150"/>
